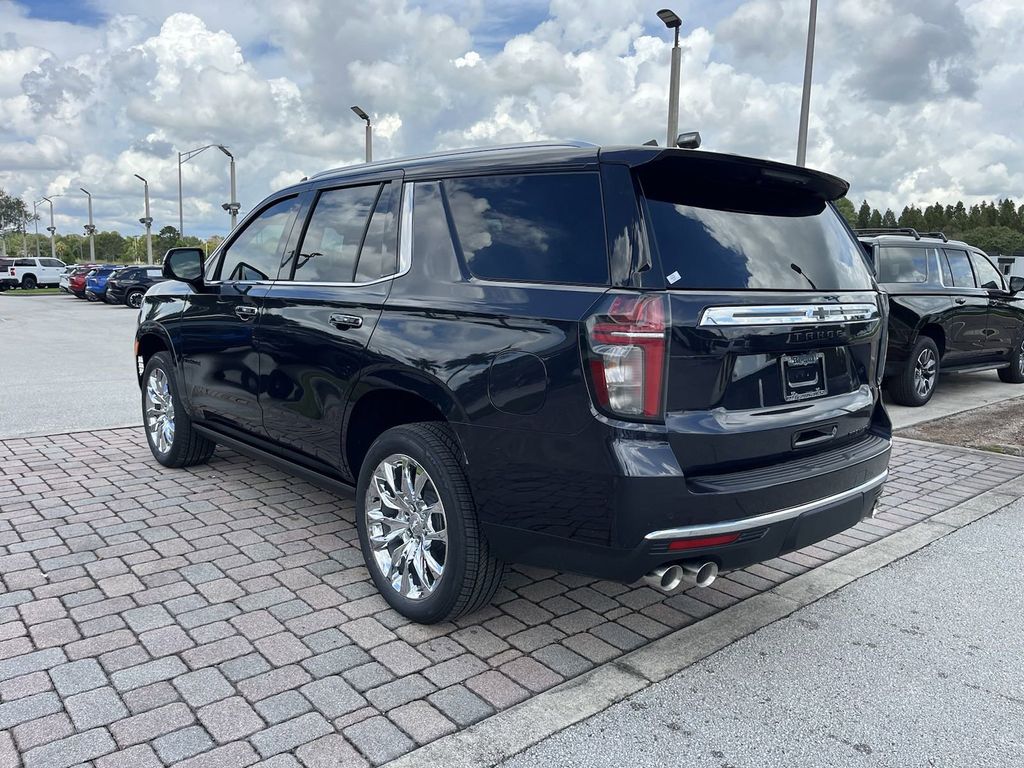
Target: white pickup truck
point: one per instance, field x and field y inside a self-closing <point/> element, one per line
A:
<point x="30" y="272"/>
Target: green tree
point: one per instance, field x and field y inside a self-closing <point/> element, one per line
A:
<point x="958" y="219"/>
<point x="889" y="218"/>
<point x="912" y="217"/>
<point x="864" y="215"/>
<point x="995" y="240"/>
<point x="845" y="207"/>
<point x="875" y="220"/>
<point x="13" y="212"/>
<point x="1007" y="215"/>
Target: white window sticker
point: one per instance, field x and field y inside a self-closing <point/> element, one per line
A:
<point x="674" y="278"/>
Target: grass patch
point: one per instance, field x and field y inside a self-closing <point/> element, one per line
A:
<point x="33" y="292"/>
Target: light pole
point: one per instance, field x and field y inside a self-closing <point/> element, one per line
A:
<point x="805" y="99"/>
<point x="184" y="157"/>
<point x="232" y="205"/>
<point x="673" y="22"/>
<point x="369" y="132"/>
<point x="52" y="230"/>
<point x="35" y="218"/>
<point x="148" y="221"/>
<point x="90" y="230"/>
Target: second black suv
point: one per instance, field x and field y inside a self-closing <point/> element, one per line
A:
<point x="949" y="308"/>
<point x="628" y="362"/>
<point x="128" y="285"/>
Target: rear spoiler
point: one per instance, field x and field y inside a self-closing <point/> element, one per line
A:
<point x="746" y="170"/>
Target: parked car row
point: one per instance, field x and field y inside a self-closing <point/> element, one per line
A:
<point x="111" y="283"/>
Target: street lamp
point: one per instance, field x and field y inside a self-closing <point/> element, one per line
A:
<point x="232" y="205"/>
<point x="90" y="230"/>
<point x="51" y="229"/>
<point x="184" y="157"/>
<point x="148" y="221"/>
<point x="805" y="99"/>
<point x="369" y="132"/>
<point x="35" y="218"/>
<point x="673" y="22"/>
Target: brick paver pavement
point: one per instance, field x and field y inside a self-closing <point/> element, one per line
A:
<point x="220" y="616"/>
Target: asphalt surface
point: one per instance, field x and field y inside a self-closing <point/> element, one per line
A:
<point x="65" y="364"/>
<point x="955" y="393"/>
<point x="918" y="664"/>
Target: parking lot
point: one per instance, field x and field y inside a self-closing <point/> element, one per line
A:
<point x="222" y="615"/>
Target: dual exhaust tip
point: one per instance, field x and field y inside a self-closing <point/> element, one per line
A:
<point x="694" y="573"/>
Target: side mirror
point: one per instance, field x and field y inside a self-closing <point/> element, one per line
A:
<point x="184" y="264"/>
<point x="1016" y="284"/>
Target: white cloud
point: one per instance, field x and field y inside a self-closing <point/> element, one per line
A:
<point x="912" y="101"/>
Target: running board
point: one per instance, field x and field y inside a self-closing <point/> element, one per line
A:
<point x="975" y="368"/>
<point x="326" y="482"/>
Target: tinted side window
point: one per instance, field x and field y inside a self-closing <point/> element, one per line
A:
<point x="988" y="276"/>
<point x="52" y="263"/>
<point x="545" y="228"/>
<point x="330" y="246"/>
<point x="379" y="255"/>
<point x="960" y="268"/>
<point x="256" y="253"/>
<point x="902" y="265"/>
<point x="25" y="263"/>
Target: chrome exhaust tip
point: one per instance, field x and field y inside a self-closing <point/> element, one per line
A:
<point x="667" y="578"/>
<point x="700" y="573"/>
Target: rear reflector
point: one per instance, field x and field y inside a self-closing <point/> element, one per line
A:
<point x="703" y="541"/>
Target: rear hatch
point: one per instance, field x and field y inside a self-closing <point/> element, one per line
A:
<point x="773" y="319"/>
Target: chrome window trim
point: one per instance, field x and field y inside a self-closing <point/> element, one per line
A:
<point x="404" y="254"/>
<point x="731" y="526"/>
<point x="787" y="314"/>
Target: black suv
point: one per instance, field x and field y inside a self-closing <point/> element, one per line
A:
<point x="949" y="307"/>
<point x="129" y="285"/>
<point x="628" y="362"/>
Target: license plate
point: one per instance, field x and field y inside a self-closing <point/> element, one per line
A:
<point x="803" y="376"/>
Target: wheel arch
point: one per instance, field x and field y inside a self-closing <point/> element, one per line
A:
<point x="389" y="398"/>
<point x="934" y="330"/>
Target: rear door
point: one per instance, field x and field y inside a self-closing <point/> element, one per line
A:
<point x="967" y="327"/>
<point x="320" y="315"/>
<point x="775" y="321"/>
<point x="220" y="360"/>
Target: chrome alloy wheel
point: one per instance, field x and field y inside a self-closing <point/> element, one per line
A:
<point x="925" y="368"/>
<point x="1020" y="359"/>
<point x="406" y="526"/>
<point x="135" y="299"/>
<point x="159" y="411"/>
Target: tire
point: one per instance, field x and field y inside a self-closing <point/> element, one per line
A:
<point x="469" y="574"/>
<point x="134" y="298"/>
<point x="183" y="447"/>
<point x="28" y="282"/>
<point x="1015" y="373"/>
<point x="90" y="296"/>
<point x="914" y="385"/>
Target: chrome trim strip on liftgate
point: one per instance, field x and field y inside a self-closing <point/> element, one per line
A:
<point x="788" y="314"/>
<point x="730" y="526"/>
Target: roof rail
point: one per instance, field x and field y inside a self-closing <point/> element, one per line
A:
<point x="909" y="231"/>
<point x="940" y="235"/>
<point x="571" y="144"/>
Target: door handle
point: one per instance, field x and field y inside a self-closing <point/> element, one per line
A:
<point x="245" y="312"/>
<point x="345" y="321"/>
<point x="960" y="300"/>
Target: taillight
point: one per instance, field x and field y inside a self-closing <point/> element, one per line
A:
<point x="628" y="343"/>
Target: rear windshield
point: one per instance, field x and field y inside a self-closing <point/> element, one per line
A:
<point x="730" y="237"/>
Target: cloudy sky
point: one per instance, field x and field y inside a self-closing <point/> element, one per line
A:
<point x="913" y="100"/>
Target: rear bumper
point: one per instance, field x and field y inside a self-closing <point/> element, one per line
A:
<point x="642" y="502"/>
<point x="9" y="282"/>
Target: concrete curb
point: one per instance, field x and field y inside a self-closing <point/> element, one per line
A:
<point x="507" y="733"/>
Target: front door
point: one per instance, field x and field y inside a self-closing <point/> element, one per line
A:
<point x="319" y="316"/>
<point x="966" y="326"/>
<point x="1004" y="311"/>
<point x="220" y="360"/>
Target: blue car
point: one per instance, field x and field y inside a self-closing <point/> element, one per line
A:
<point x="96" y="282"/>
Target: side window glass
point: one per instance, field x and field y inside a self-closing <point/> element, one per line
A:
<point x="988" y="276"/>
<point x="431" y="238"/>
<point x="379" y="256"/>
<point x="539" y="227"/>
<point x="960" y="268"/>
<point x="24" y="263"/>
<point x="330" y="246"/>
<point x="902" y="265"/>
<point x="256" y="253"/>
